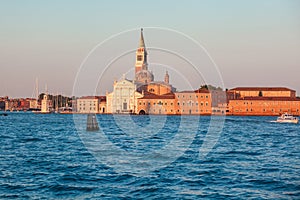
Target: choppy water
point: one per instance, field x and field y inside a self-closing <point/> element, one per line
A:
<point x="43" y="156"/>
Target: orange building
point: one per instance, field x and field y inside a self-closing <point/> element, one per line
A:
<point x="197" y="102"/>
<point x="263" y="92"/>
<point x="263" y="101"/>
<point x="157" y="104"/>
<point x="264" y="106"/>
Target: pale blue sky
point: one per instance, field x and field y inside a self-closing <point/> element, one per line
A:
<point x="254" y="43"/>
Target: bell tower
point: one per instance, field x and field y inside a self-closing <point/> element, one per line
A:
<point x="167" y="78"/>
<point x="141" y="55"/>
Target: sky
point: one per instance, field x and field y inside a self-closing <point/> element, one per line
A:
<point x="252" y="43"/>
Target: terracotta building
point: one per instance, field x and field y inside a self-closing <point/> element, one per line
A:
<point x="263" y="92"/>
<point x="198" y="102"/>
<point x="263" y="101"/>
<point x="157" y="104"/>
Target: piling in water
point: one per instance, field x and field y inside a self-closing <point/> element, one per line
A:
<point x="92" y="124"/>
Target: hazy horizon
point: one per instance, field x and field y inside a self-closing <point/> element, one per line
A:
<point x="254" y="43"/>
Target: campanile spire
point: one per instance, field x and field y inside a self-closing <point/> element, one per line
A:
<point x="142" y="42"/>
<point x="141" y="55"/>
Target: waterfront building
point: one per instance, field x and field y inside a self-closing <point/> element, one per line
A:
<point x="263" y="101"/>
<point x="157" y="104"/>
<point x="264" y="106"/>
<point x="33" y="103"/>
<point x="123" y="99"/>
<point x="102" y="104"/>
<point x="240" y="92"/>
<point x="198" y="102"/>
<point x="46" y="105"/>
<point x="88" y="104"/>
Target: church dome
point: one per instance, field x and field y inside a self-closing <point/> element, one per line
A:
<point x="144" y="76"/>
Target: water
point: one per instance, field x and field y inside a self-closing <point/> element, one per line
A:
<point x="44" y="157"/>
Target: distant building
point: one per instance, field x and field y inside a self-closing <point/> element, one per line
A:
<point x="123" y="99"/>
<point x="241" y="92"/>
<point x="46" y="105"/>
<point x="88" y="104"/>
<point x="102" y="104"/>
<point x="33" y="103"/>
<point x="198" y="102"/>
<point x="263" y="101"/>
<point x="157" y="104"/>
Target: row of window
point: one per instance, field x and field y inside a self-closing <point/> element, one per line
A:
<point x="265" y="110"/>
<point x="83" y="108"/>
<point x="171" y="111"/>
<point x="84" y="104"/>
<point x="193" y="96"/>
<point x="271" y="103"/>
<point x="178" y="103"/>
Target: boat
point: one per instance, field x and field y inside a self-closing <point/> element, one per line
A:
<point x="287" y="118"/>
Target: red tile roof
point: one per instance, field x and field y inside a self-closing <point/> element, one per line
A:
<point x="269" y="99"/>
<point x="93" y="97"/>
<point x="195" y="91"/>
<point x="262" y="89"/>
<point x="148" y="95"/>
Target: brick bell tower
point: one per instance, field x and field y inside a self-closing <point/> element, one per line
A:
<point x="141" y="55"/>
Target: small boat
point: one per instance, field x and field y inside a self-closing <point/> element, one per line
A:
<point x="287" y="118"/>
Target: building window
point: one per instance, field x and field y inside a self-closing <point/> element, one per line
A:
<point x="178" y="103"/>
<point x="171" y="104"/>
<point x="139" y="57"/>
